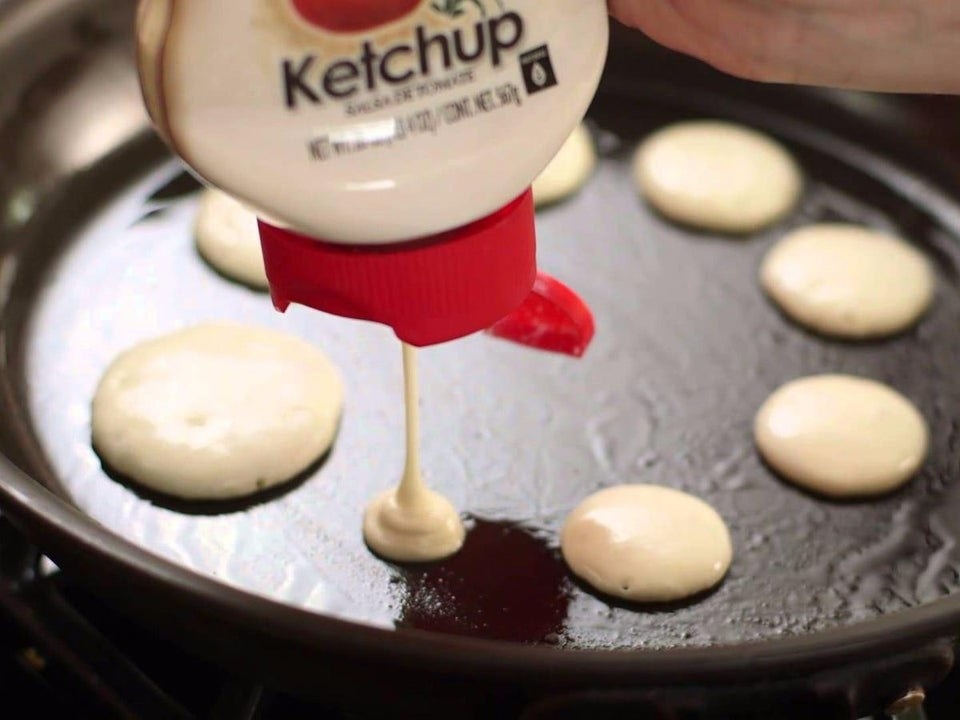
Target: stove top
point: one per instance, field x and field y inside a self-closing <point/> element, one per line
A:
<point x="64" y="653"/>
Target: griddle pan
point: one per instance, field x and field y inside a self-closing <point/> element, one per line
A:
<point x="97" y="255"/>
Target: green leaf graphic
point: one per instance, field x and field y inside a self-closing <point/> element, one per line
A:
<point x="455" y="8"/>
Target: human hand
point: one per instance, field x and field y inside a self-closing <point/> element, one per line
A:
<point x="893" y="45"/>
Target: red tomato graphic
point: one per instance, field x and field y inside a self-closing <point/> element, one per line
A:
<point x="353" y="15"/>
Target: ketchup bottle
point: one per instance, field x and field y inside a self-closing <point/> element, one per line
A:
<point x="387" y="145"/>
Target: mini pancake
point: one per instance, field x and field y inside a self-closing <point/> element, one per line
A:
<point x="646" y="543"/>
<point x="216" y="411"/>
<point x="228" y="239"/>
<point x="842" y="436"/>
<point x="569" y="170"/>
<point x="717" y="176"/>
<point x="848" y="281"/>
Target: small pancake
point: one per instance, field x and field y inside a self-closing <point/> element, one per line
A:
<point x="228" y="239"/>
<point x="646" y="543"/>
<point x="848" y="281"/>
<point x="842" y="436"/>
<point x="216" y="411"/>
<point x="569" y="170"/>
<point x="717" y="176"/>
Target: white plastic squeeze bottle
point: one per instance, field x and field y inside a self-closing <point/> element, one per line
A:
<point x="389" y="145"/>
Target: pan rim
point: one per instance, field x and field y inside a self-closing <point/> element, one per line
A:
<point x="48" y="515"/>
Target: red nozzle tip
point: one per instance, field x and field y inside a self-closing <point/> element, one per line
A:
<point x="552" y="318"/>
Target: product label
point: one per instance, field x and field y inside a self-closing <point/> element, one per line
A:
<point x="428" y="121"/>
<point x="436" y="57"/>
<point x="309" y="80"/>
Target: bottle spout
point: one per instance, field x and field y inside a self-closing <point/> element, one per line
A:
<point x="551" y="318"/>
<point x="429" y="290"/>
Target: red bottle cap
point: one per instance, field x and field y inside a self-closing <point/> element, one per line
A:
<point x="429" y="290"/>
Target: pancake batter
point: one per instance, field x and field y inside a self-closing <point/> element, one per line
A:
<point x="848" y="281"/>
<point x="228" y="239"/>
<point x="411" y="523"/>
<point x="717" y="176"/>
<point x="216" y="411"/>
<point x="569" y="170"/>
<point x="841" y="436"/>
<point x="646" y="543"/>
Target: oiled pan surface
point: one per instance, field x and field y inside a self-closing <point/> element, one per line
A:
<point x="687" y="349"/>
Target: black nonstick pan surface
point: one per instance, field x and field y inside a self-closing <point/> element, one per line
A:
<point x="687" y="349"/>
<point x="98" y="255"/>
